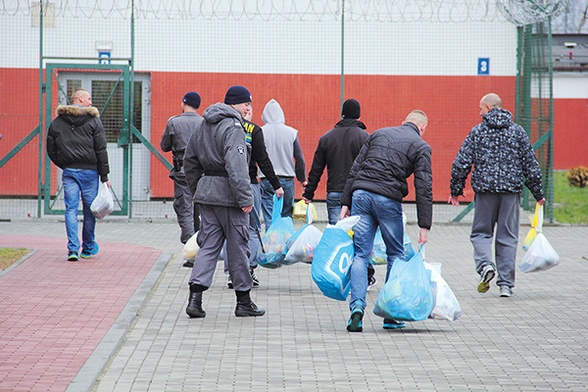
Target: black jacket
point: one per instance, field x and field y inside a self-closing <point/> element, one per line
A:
<point x="336" y="150"/>
<point x="388" y="157"/>
<point x="259" y="157"/>
<point x="76" y="140"/>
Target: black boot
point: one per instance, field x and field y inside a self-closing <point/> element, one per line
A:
<point x="245" y="306"/>
<point x="194" y="308"/>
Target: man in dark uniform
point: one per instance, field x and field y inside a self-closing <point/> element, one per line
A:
<point x="238" y="97"/>
<point x="216" y="165"/>
<point x="174" y="139"/>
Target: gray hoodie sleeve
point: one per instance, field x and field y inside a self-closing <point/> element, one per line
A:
<point x="300" y="163"/>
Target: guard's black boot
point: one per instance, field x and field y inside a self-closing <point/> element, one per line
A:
<point x="194" y="308"/>
<point x="245" y="306"/>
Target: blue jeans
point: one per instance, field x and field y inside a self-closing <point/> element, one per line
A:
<point x="267" y="199"/>
<point x="334" y="206"/>
<point x="78" y="182"/>
<point x="375" y="210"/>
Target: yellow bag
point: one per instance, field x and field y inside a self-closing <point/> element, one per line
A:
<point x="534" y="223"/>
<point x="300" y="210"/>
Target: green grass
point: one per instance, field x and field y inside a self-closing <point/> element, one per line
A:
<point x="9" y="256"/>
<point x="570" y="202"/>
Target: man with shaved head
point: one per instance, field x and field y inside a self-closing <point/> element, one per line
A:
<point x="502" y="157"/>
<point x="374" y="190"/>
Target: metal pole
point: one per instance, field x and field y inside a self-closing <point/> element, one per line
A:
<point x="342" y="78"/>
<point x="131" y="105"/>
<point x="40" y="186"/>
<point x="550" y="181"/>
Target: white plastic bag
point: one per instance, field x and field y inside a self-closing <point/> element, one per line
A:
<point x="540" y="257"/>
<point x="191" y="247"/>
<point x="446" y="304"/>
<point x="103" y="204"/>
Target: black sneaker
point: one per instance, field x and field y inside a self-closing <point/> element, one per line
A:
<point x="393" y="324"/>
<point x="73" y="256"/>
<point x="189" y="263"/>
<point x="254" y="278"/>
<point x="488" y="273"/>
<point x="229" y="282"/>
<point x="249" y="310"/>
<point x="371" y="282"/>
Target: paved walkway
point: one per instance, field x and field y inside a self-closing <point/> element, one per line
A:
<point x="116" y="322"/>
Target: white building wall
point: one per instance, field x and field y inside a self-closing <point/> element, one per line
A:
<point x="258" y="45"/>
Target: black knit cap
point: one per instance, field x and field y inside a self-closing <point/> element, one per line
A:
<point x="351" y="109"/>
<point x="236" y="95"/>
<point x="192" y="99"/>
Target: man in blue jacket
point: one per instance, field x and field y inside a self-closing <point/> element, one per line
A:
<point x="502" y="156"/>
<point x="374" y="191"/>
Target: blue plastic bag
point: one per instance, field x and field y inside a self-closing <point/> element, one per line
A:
<point x="332" y="260"/>
<point x="274" y="239"/>
<point x="379" y="256"/>
<point x="407" y="295"/>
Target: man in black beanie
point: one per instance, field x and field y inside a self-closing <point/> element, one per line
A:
<point x="239" y="98"/>
<point x="175" y="138"/>
<point x="337" y="150"/>
<point x="216" y="165"/>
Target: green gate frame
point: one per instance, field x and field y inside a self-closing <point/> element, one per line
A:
<point x="125" y="139"/>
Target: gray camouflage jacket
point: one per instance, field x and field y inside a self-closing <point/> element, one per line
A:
<point x="501" y="155"/>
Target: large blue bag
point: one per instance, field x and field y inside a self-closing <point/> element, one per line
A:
<point x="407" y="295"/>
<point x="332" y="260"/>
<point x="274" y="239"/>
<point x="379" y="256"/>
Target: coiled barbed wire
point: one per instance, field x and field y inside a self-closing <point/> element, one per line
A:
<point x="573" y="13"/>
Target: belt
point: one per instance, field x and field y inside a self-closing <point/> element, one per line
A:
<point x="217" y="173"/>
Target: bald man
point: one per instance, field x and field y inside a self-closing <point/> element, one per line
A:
<point x="76" y="142"/>
<point x="374" y="190"/>
<point x="502" y="157"/>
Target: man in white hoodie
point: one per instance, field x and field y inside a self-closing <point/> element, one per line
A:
<point x="285" y="153"/>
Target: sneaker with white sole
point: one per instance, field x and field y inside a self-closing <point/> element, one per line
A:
<point x="254" y="278"/>
<point x="488" y="273"/>
<point x="229" y="282"/>
<point x="371" y="282"/>
<point x="505" y="291"/>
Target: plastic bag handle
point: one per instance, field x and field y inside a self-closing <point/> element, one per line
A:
<point x="309" y="215"/>
<point x="539" y="210"/>
<point x="278" y="205"/>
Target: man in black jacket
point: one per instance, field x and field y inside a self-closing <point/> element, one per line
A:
<point x="337" y="150"/>
<point x="374" y="191"/>
<point x="76" y="143"/>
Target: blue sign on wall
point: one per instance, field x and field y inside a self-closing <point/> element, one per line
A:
<point x="483" y="66"/>
<point x="104" y="57"/>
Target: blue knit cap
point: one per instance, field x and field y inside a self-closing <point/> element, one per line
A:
<point x="236" y="95"/>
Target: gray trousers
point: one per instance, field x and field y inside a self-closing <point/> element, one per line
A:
<point x="186" y="211"/>
<point x="220" y="224"/>
<point x="254" y="230"/>
<point x="500" y="210"/>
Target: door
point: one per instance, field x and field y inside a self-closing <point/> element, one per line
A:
<point x="106" y="89"/>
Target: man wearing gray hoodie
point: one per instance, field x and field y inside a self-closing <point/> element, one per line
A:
<point x="285" y="153"/>
<point x="216" y="164"/>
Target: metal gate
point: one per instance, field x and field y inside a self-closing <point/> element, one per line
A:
<point x="123" y="103"/>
